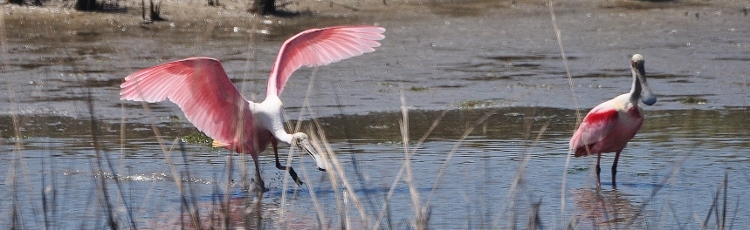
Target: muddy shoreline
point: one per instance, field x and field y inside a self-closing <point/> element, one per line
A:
<point x="196" y="12"/>
<point x="439" y="54"/>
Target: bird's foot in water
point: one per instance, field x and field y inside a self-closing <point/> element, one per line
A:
<point x="258" y="186"/>
<point x="292" y="173"/>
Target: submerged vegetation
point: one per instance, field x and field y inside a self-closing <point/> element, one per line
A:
<point x="418" y="89"/>
<point x="693" y="100"/>
<point x="197" y="138"/>
<point x="474" y="104"/>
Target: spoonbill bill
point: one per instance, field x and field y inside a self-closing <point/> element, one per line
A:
<point x="610" y="125"/>
<point x="204" y="92"/>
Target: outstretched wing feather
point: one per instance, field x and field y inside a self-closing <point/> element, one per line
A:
<point x="201" y="88"/>
<point x="316" y="47"/>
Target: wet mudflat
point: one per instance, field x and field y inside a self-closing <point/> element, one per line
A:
<point x="470" y="60"/>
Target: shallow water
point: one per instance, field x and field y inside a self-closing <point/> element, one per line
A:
<point x="692" y="158"/>
<point x="467" y="60"/>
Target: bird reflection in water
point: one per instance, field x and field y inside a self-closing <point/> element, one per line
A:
<point x="610" y="209"/>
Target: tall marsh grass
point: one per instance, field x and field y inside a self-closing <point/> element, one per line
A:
<point x="354" y="207"/>
<point x="111" y="206"/>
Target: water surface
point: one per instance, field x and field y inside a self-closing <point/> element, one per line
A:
<point x="468" y="61"/>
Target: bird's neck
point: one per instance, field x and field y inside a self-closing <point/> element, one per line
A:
<point x="271" y="117"/>
<point x="283" y="136"/>
<point x="635" y="90"/>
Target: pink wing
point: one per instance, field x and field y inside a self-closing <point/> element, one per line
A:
<point x="597" y="125"/>
<point x="316" y="47"/>
<point x="201" y="88"/>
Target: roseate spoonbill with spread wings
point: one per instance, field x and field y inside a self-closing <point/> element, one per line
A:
<point x="610" y="125"/>
<point x="204" y="92"/>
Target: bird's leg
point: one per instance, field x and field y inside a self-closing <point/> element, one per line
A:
<point x="598" y="169"/>
<point x="292" y="173"/>
<point x="259" y="185"/>
<point x="614" y="168"/>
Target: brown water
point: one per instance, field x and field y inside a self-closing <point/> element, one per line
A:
<point x="468" y="59"/>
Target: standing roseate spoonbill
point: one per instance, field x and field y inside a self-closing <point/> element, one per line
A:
<point x="610" y="125"/>
<point x="204" y="92"/>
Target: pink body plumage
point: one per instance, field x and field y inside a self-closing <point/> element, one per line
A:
<point x="605" y="129"/>
<point x="609" y="126"/>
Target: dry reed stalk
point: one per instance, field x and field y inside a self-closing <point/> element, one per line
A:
<point x="102" y="185"/>
<point x="336" y="168"/>
<point x="714" y="209"/>
<point x="512" y="195"/>
<point x="669" y="177"/>
<point x="575" y="104"/>
<point x="192" y="210"/>
<point x="419" y="222"/>
<point x="11" y="179"/>
<point x="453" y="151"/>
<point x="403" y="167"/>
<point x="297" y="127"/>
